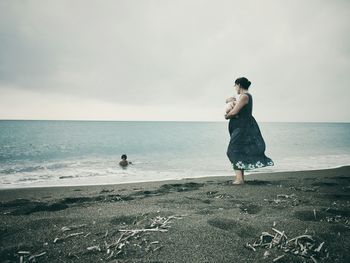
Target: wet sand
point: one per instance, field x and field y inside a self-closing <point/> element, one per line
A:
<point x="191" y="220"/>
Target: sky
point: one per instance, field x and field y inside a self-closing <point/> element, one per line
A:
<point x="174" y="60"/>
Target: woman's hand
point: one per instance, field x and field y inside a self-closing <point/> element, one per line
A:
<point x="227" y="117"/>
<point x="230" y="99"/>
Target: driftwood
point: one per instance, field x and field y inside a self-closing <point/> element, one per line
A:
<point x="266" y="254"/>
<point x="57" y="239"/>
<point x="36" y="256"/>
<point x="66" y="228"/>
<point x="162" y="222"/>
<point x="250" y="246"/>
<point x="284" y="199"/>
<point x="278" y="258"/>
<point x="279" y="232"/>
<point x="286" y="196"/>
<point x="303" y="245"/>
<point x="304" y="189"/>
<point x="157" y="248"/>
<point x="23" y="252"/>
<point x="158" y="224"/>
<point x="318" y="249"/>
<point x="117" y="242"/>
<point x="144" y="230"/>
<point x="94" y="248"/>
<point x="127" y="238"/>
<point x="299" y="237"/>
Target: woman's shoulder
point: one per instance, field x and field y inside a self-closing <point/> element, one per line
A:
<point x="245" y="96"/>
<point x="248" y="95"/>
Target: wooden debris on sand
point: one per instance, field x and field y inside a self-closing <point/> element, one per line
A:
<point x="157" y="224"/>
<point x="129" y="239"/>
<point x="304" y="189"/>
<point x="24" y="254"/>
<point x="94" y="248"/>
<point x="36" y="256"/>
<point x="74" y="227"/>
<point x="70" y="228"/>
<point x="304" y="245"/>
<point x="162" y="222"/>
<point x="278" y="258"/>
<point x="58" y="239"/>
<point x="285" y="196"/>
<point x="284" y="199"/>
<point x="247" y="245"/>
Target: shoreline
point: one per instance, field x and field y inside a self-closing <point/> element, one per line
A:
<point x="249" y="174"/>
<point x="188" y="220"/>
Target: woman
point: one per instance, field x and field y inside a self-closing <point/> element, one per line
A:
<point x="246" y="149"/>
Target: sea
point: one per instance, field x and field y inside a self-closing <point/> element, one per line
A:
<point x="37" y="153"/>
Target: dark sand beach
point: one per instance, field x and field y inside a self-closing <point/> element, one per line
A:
<point x="191" y="220"/>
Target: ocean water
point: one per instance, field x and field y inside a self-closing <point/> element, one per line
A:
<point x="50" y="153"/>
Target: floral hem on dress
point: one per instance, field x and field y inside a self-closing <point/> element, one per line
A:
<point x="241" y="165"/>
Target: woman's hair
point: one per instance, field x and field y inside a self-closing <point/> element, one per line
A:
<point x="243" y="82"/>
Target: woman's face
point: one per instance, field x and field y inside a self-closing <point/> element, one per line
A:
<point x="237" y="88"/>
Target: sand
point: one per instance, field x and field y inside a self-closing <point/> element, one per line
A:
<point x="207" y="219"/>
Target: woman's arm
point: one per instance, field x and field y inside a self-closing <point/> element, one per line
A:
<point x="241" y="102"/>
<point x="230" y="106"/>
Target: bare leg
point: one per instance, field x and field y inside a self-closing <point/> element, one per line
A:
<point x="239" y="177"/>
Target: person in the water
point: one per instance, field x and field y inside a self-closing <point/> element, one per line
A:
<point x="124" y="162"/>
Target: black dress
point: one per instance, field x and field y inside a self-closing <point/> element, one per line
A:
<point x="246" y="149"/>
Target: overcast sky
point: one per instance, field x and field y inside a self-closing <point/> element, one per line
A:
<point x="173" y="60"/>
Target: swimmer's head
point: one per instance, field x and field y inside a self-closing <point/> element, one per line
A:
<point x="124" y="157"/>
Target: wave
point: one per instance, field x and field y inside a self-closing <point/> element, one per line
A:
<point x="106" y="170"/>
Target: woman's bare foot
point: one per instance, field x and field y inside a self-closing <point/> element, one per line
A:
<point x="239" y="179"/>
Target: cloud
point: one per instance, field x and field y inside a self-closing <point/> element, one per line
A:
<point x="35" y="105"/>
<point x="181" y="53"/>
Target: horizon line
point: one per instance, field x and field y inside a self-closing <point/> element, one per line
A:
<point x="95" y="120"/>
